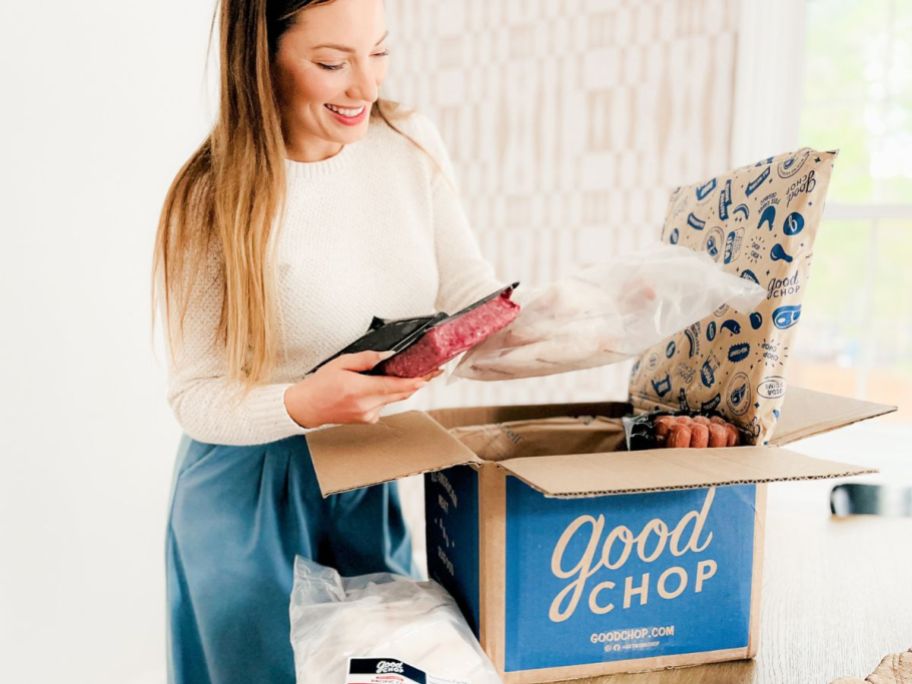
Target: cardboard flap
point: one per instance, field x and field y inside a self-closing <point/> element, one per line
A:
<point x="806" y="413"/>
<point x="409" y="443"/>
<point x="584" y="475"/>
<point x="487" y="415"/>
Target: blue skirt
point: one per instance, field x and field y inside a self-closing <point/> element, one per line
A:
<point x="238" y="516"/>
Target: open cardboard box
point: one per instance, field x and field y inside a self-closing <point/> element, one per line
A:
<point x="598" y="562"/>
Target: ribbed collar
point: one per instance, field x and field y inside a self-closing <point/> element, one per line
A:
<point x="302" y="170"/>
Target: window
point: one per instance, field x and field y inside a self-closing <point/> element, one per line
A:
<point x="856" y="333"/>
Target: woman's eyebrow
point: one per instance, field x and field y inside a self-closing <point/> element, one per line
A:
<point x="343" y="48"/>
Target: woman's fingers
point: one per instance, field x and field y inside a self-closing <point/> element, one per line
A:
<point x="390" y="384"/>
<point x="390" y="398"/>
<point x="433" y="374"/>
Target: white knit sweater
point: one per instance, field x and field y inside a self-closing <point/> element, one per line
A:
<point x="372" y="231"/>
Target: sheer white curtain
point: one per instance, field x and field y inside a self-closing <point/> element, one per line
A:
<point x="769" y="78"/>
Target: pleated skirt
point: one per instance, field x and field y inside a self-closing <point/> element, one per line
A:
<point x="238" y="516"/>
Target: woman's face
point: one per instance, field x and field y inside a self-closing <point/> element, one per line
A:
<point x="334" y="55"/>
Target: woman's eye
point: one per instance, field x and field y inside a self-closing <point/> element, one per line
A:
<point x="334" y="67"/>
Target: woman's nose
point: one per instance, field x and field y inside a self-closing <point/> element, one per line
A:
<point x="365" y="86"/>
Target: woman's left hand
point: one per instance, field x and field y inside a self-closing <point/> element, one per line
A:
<point x="433" y="374"/>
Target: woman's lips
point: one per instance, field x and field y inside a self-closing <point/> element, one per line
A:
<point x="349" y="120"/>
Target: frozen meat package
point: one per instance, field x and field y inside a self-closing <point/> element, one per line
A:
<point x="424" y="343"/>
<point x="394" y="623"/>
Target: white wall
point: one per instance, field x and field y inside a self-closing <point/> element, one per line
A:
<point x="102" y="102"/>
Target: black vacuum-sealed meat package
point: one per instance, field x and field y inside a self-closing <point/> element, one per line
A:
<point x="422" y="344"/>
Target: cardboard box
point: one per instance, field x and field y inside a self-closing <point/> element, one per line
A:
<point x="583" y="564"/>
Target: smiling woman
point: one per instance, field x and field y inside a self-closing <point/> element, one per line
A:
<point x="328" y="68"/>
<point x="313" y="206"/>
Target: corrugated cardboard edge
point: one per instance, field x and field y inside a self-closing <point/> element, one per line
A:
<point x="556" y="674"/>
<point x="541" y="472"/>
<point x="753" y="634"/>
<point x="806" y="413"/>
<point x="483" y="415"/>
<point x="642" y="490"/>
<point x="349" y="457"/>
<point x="353" y="456"/>
<point x="492" y="522"/>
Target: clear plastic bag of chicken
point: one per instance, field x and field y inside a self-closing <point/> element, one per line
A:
<point x="394" y="624"/>
<point x="606" y="313"/>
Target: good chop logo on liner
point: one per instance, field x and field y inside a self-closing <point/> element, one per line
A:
<point x="805" y="184"/>
<point x="611" y="552"/>
<point x="777" y="288"/>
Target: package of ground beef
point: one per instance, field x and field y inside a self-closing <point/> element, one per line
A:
<point x="424" y="343"/>
<point x="453" y="335"/>
<point x="759" y="222"/>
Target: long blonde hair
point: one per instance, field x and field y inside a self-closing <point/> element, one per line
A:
<point x="225" y="197"/>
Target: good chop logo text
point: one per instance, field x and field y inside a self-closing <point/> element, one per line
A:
<point x="387" y="666"/>
<point x="611" y="551"/>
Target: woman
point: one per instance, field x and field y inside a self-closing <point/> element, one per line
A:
<point x="311" y="207"/>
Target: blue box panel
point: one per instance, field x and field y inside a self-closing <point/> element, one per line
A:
<point x="626" y="576"/>
<point x="451" y="514"/>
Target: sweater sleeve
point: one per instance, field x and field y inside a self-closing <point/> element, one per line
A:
<point x="464" y="274"/>
<point x="208" y="406"/>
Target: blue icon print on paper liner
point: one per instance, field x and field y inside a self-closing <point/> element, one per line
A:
<point x="794" y="224"/>
<point x="767" y="217"/>
<point x="785" y="317"/>
<point x="778" y="253"/>
<point x="662" y="386"/>
<point x="704" y="191"/>
<point x="694" y="222"/>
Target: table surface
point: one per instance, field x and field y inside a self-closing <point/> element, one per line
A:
<point x="837" y="592"/>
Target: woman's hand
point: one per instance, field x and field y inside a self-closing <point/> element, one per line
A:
<point x="338" y="393"/>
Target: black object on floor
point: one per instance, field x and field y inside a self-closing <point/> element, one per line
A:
<point x="853" y="498"/>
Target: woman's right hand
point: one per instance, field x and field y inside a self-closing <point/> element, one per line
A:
<point x="338" y="393"/>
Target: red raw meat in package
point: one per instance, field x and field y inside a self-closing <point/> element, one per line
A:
<point x="452" y="337"/>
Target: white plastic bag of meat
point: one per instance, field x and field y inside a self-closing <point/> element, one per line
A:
<point x="607" y="312"/>
<point x="398" y="621"/>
